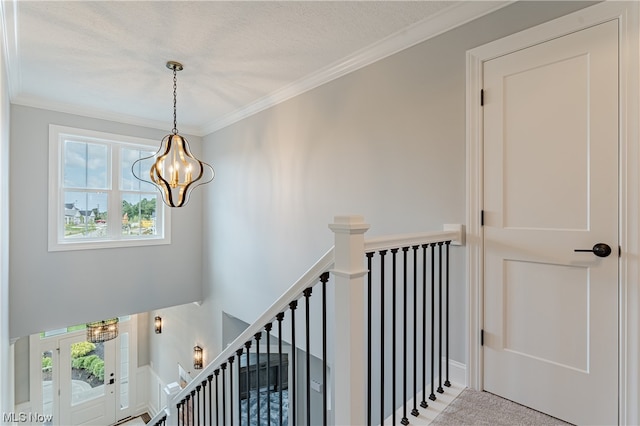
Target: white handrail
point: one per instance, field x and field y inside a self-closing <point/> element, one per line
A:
<point x="294" y="292"/>
<point x="453" y="233"/>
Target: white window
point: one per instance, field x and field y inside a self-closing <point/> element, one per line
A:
<point x="94" y="199"/>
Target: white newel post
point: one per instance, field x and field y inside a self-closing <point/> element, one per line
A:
<point x="349" y="369"/>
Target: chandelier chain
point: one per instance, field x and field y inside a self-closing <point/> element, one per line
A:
<point x="175" y="89"/>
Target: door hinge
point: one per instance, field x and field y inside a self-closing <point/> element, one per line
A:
<point x="481" y="217"/>
<point x="481" y="337"/>
<point x="481" y="97"/>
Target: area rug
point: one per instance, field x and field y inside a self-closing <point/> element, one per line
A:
<point x="483" y="408"/>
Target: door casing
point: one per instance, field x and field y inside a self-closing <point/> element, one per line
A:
<point x="629" y="187"/>
<point x="38" y="345"/>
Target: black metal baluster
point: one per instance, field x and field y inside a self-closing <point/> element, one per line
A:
<point x="405" y="420"/>
<point x="424" y="403"/>
<point x="180" y="414"/>
<point x="223" y="367"/>
<point x="440" y="389"/>
<point x="324" y="278"/>
<point x="239" y="353"/>
<point x="293" y="306"/>
<point x="369" y="327"/>
<point x="307" y="295"/>
<point x="258" y="336"/>
<point x="193" y="408"/>
<point x="189" y="409"/>
<point x="433" y="319"/>
<point x="248" y="347"/>
<point x="216" y="372"/>
<point x="204" y="401"/>
<point x="393" y="336"/>
<point x="382" y="347"/>
<point x="414" y="411"/>
<point x="231" y="359"/>
<point x="447" y="382"/>
<point x="267" y="329"/>
<point x="209" y="379"/>
<point x="280" y="317"/>
<point x="197" y="404"/>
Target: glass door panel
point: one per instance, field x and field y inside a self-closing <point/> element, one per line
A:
<point x="87" y="372"/>
<point x="124" y="371"/>
<point x="47" y="386"/>
<point x="87" y="389"/>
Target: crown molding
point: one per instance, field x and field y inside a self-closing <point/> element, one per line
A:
<point x="448" y="19"/>
<point x="8" y="18"/>
<point x="103" y="115"/>
<point x="454" y="16"/>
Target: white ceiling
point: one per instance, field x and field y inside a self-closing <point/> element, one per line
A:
<point x="106" y="59"/>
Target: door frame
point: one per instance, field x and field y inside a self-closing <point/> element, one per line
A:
<point x="64" y="399"/>
<point x="627" y="14"/>
<point x="37" y="345"/>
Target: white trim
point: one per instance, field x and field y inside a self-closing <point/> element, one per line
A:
<point x="627" y="13"/>
<point x="56" y="241"/>
<point x="450" y="18"/>
<point x="38" y="345"/>
<point x="426" y="416"/>
<point x="9" y="20"/>
<point x="100" y="114"/>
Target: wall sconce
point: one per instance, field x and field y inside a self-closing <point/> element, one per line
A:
<point x="197" y="357"/>
<point x="158" y="325"/>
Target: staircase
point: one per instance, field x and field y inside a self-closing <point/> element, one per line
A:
<point x="361" y="338"/>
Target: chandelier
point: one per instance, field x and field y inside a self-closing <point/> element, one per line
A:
<point x="175" y="170"/>
<point x="101" y="331"/>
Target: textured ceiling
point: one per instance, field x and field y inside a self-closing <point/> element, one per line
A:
<point x="107" y="59"/>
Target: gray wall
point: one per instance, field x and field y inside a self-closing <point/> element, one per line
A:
<point x="59" y="289"/>
<point x="183" y="327"/>
<point x="387" y="142"/>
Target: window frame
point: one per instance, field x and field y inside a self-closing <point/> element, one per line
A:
<point x="56" y="241"/>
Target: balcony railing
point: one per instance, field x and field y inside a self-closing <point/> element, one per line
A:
<point x="361" y="338"/>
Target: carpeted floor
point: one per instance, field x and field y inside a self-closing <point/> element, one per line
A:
<point x="483" y="408"/>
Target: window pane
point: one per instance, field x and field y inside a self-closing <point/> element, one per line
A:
<point x="139" y="214"/>
<point x="86" y="165"/>
<point x="128" y="180"/>
<point x="124" y="371"/>
<point x="47" y="385"/>
<point x="85" y="214"/>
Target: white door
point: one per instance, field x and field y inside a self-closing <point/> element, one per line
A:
<point x="550" y="187"/>
<point x="87" y="382"/>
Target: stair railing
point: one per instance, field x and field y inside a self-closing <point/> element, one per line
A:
<point x="270" y="391"/>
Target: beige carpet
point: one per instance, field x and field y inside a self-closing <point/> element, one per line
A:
<point x="483" y="408"/>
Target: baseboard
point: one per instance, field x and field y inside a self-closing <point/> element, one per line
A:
<point x="457" y="372"/>
<point x="457" y="377"/>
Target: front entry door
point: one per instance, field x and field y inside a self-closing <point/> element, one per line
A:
<point x="551" y="187"/>
<point x="87" y="381"/>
